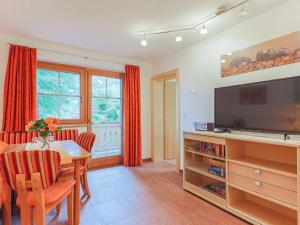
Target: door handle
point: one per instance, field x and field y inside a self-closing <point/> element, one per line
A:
<point x="257" y="171"/>
<point x="257" y="183"/>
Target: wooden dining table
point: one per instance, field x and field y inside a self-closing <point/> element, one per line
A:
<point x="70" y="152"/>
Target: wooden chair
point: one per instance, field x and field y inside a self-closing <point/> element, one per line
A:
<point x="5" y="203"/>
<point x="3" y="145"/>
<point x="1" y="196"/>
<point x="85" y="140"/>
<point x="33" y="175"/>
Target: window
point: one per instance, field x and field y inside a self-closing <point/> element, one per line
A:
<point x="106" y="113"/>
<point x="106" y="100"/>
<point x="60" y="92"/>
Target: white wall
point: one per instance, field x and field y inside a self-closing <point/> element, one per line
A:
<point x="104" y="63"/>
<point x="199" y="65"/>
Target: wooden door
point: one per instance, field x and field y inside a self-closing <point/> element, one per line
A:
<point x="105" y="116"/>
<point x="158" y="119"/>
<point x="170" y="119"/>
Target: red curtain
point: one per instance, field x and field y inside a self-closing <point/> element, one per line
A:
<point x="132" y="117"/>
<point x="20" y="101"/>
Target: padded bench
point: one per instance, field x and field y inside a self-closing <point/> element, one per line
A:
<point x="25" y="137"/>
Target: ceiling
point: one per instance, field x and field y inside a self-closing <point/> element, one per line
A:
<point x="111" y="26"/>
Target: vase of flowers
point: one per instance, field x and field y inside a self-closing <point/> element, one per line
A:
<point x="45" y="128"/>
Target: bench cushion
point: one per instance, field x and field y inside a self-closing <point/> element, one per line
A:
<point x="25" y="137"/>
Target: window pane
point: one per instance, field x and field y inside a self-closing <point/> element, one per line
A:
<point x="99" y="111"/>
<point x="47" y="81"/>
<point x="98" y="86"/>
<point x="113" y="87"/>
<point x="113" y="110"/>
<point x="69" y="108"/>
<point x="69" y="84"/>
<point x="48" y="106"/>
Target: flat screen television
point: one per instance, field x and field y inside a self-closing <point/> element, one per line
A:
<point x="268" y="106"/>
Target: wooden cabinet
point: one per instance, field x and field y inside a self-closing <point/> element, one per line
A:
<point x="286" y="182"/>
<point x="259" y="182"/>
<point x="264" y="188"/>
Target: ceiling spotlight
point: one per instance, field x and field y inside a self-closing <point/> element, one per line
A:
<point x="178" y="38"/>
<point x="144" y="42"/>
<point x="229" y="53"/>
<point x="203" y="30"/>
<point x="223" y="61"/>
<point x="243" y="11"/>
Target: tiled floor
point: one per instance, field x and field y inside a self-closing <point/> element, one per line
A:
<point x="147" y="195"/>
<point x="172" y="161"/>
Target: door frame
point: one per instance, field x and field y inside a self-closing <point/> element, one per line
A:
<point x="162" y="77"/>
<point x="110" y="160"/>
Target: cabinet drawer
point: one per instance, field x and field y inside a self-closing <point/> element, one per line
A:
<point x="260" y="187"/>
<point x="278" y="180"/>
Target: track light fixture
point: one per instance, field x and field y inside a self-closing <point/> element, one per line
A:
<point x="203" y="29"/>
<point x="243" y="11"/>
<point x="195" y="26"/>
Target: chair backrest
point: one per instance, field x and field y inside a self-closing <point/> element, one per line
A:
<point x="86" y="140"/>
<point x="1" y="191"/>
<point x="3" y="145"/>
<point x="45" y="162"/>
<point x="17" y="137"/>
<point x="64" y="135"/>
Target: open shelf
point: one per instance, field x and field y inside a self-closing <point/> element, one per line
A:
<point x="201" y="181"/>
<point x="263" y="196"/>
<point x="268" y="165"/>
<point x="273" y="158"/>
<point x="205" y="154"/>
<point x="206" y="148"/>
<point x="205" y="173"/>
<point x="260" y="210"/>
<point x="211" y="197"/>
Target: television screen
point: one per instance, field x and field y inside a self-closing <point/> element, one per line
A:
<point x="266" y="106"/>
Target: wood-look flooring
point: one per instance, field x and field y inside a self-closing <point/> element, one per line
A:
<point x="148" y="195"/>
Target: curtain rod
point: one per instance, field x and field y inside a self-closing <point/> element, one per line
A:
<point x="72" y="54"/>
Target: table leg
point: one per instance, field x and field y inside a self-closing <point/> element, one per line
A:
<point x="77" y="192"/>
<point x="6" y="207"/>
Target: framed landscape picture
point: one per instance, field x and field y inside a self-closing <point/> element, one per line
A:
<point x="276" y="52"/>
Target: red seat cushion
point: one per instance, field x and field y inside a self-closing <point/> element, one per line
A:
<point x="52" y="194"/>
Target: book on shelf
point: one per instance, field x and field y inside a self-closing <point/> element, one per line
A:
<point x="215" y="170"/>
<point x="210" y="149"/>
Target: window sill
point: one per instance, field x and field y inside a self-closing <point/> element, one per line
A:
<point x="73" y="125"/>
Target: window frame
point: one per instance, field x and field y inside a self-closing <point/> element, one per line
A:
<point x="98" y="72"/>
<point x="106" y="74"/>
<point x="83" y="86"/>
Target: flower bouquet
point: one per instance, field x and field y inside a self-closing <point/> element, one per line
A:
<point x="45" y="128"/>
